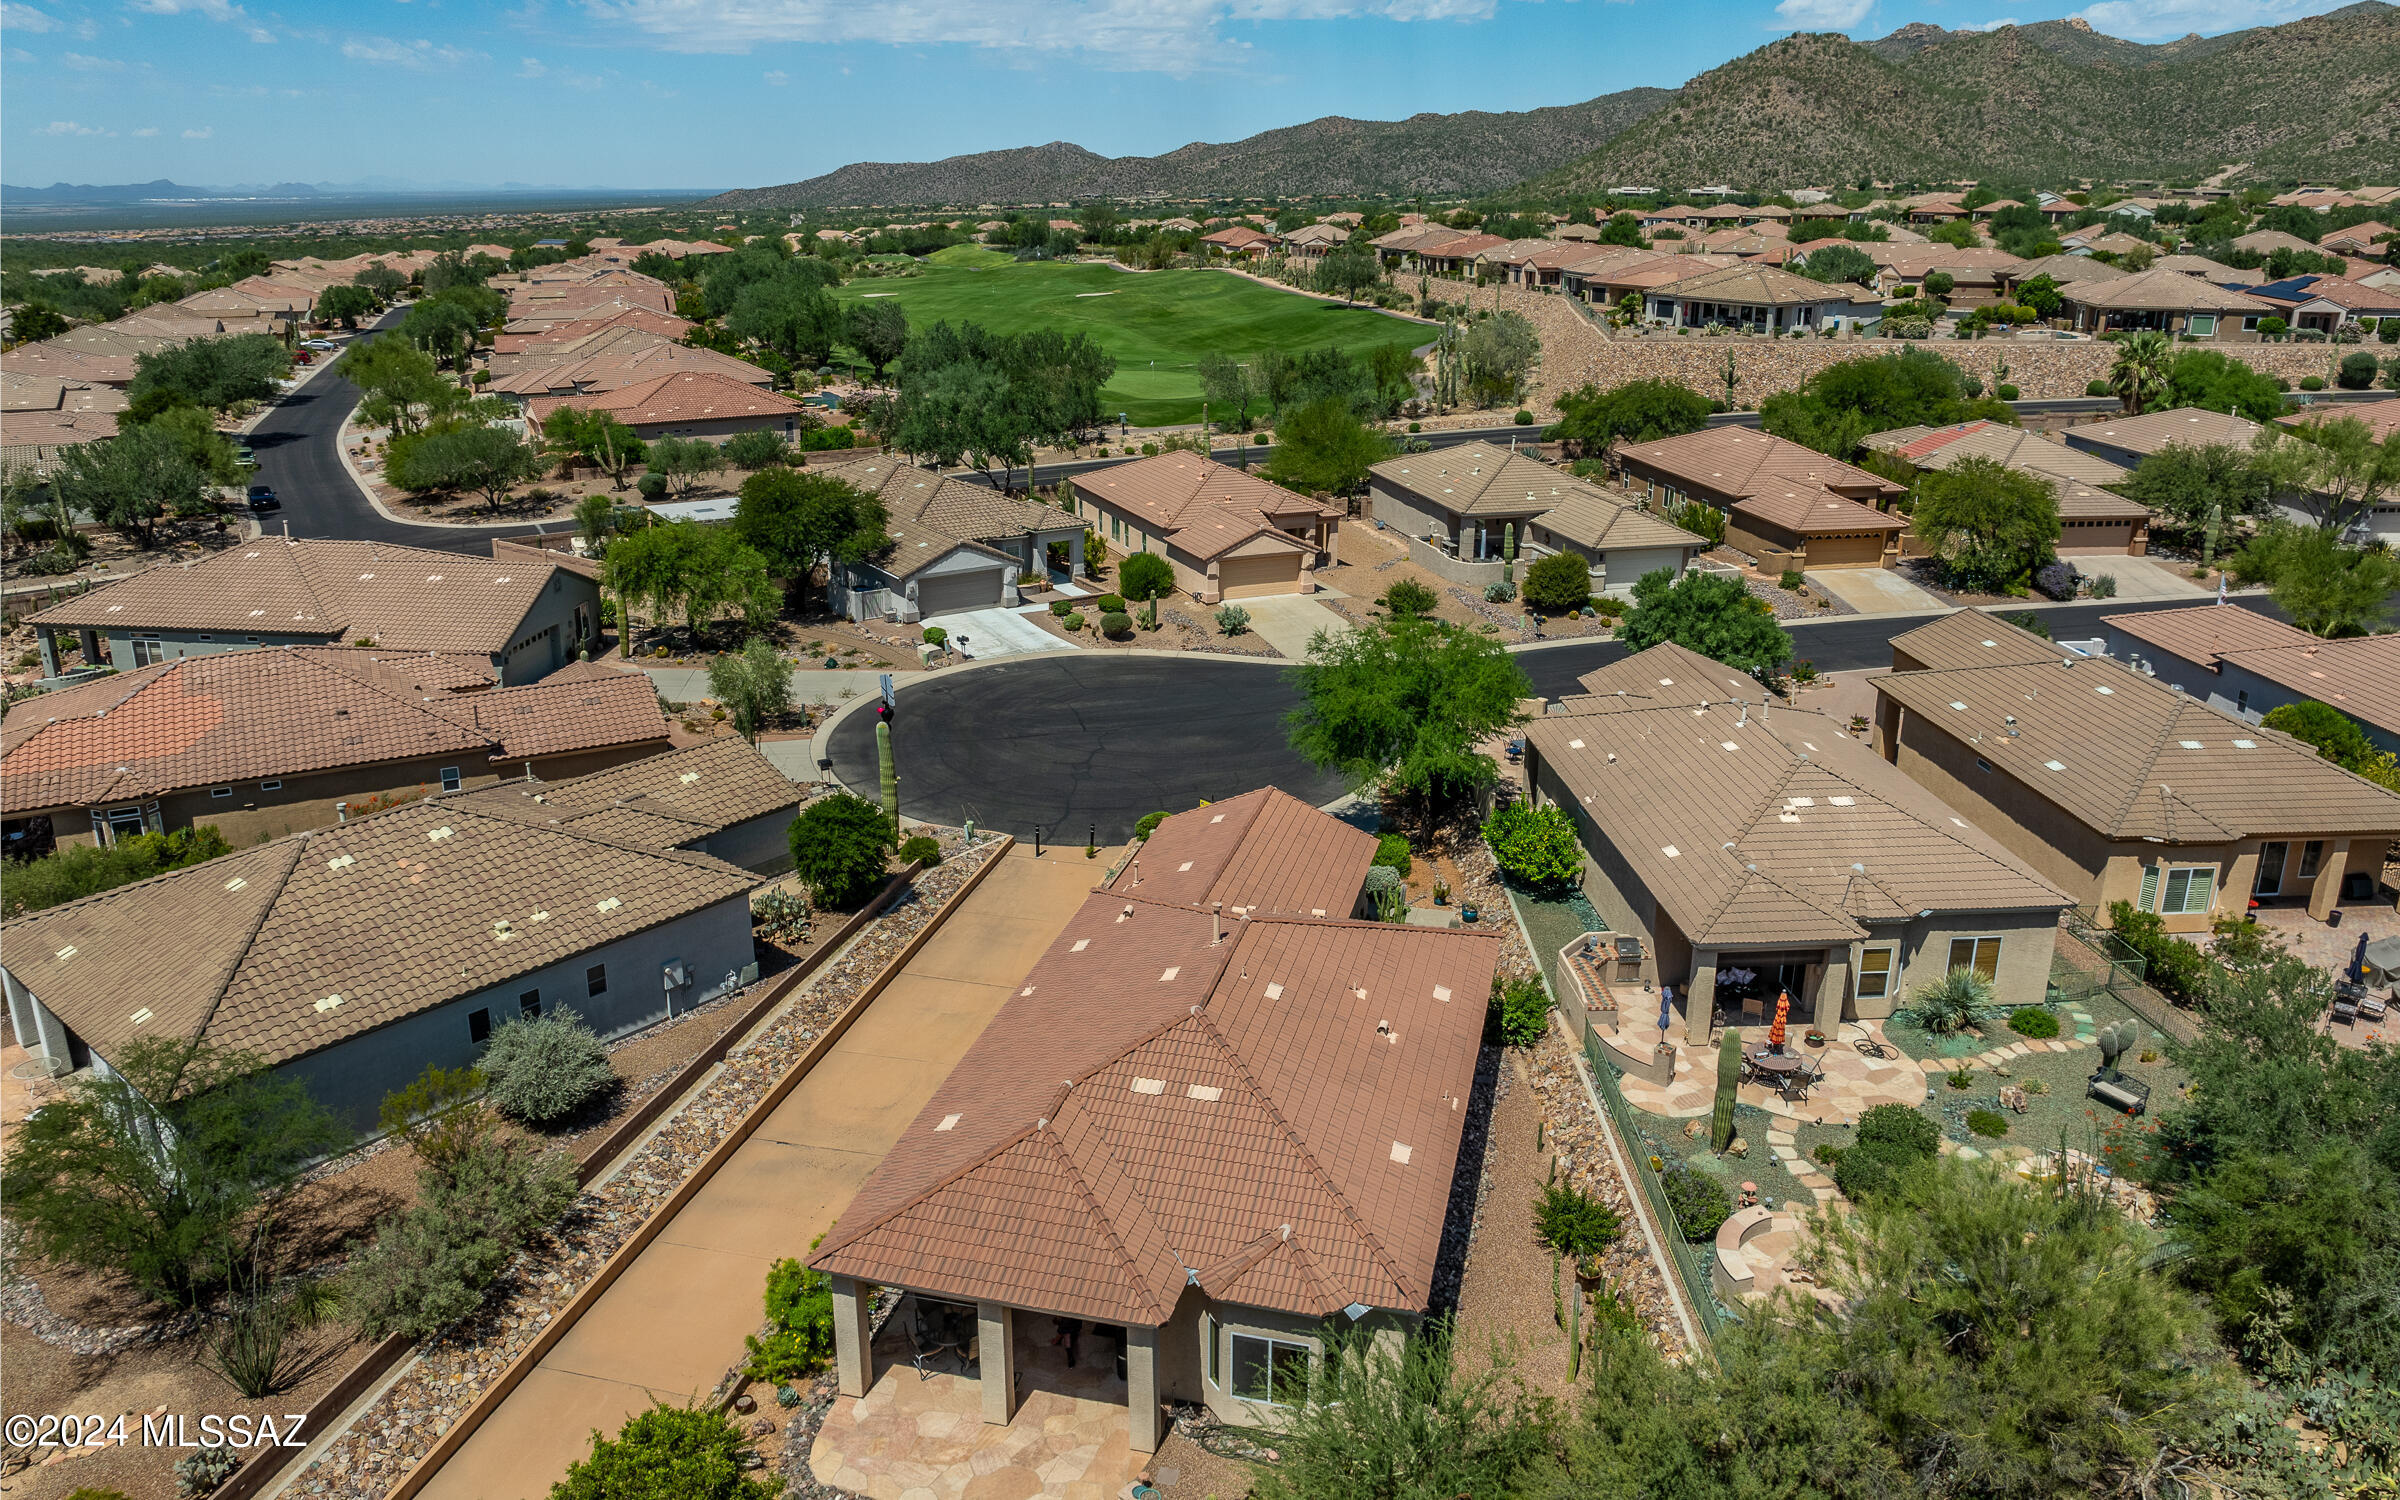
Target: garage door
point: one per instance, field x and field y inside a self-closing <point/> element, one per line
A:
<point x="2085" y="538"/>
<point x="945" y="593"/>
<point x="1862" y="551"/>
<point x="1248" y="577"/>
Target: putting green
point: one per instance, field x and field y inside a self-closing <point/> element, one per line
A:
<point x="1158" y="323"/>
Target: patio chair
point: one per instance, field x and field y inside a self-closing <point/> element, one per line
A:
<point x="2347" y="1001"/>
<point x="920" y="1345"/>
<point x="1796" y="1083"/>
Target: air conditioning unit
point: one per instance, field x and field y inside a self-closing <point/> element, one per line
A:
<point x="672" y="972"/>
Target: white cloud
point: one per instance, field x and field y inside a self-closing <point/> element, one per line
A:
<point x="71" y="127"/>
<point x="2164" y="20"/>
<point x="147" y="131"/>
<point x="530" y="67"/>
<point x="777" y="78"/>
<point x="17" y="17"/>
<point x="1823" y="15"/>
<point x="225" y="12"/>
<point x="83" y="64"/>
<point x="1173" y="36"/>
<point x="416" y="54"/>
<point x="1994" y="25"/>
<point x="201" y="133"/>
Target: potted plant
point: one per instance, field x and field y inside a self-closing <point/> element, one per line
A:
<point x="1441" y="893"/>
<point x="1814" y="1038"/>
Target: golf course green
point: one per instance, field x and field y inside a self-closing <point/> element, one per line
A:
<point x="1157" y="323"/>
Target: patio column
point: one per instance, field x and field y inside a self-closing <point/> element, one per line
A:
<point x="91" y="648"/>
<point x="1833" y="982"/>
<point x="853" y="1337"/>
<point x="1699" y="1003"/>
<point x="1141" y="1388"/>
<point x="996" y="1358"/>
<point x="1074" y="556"/>
<point x="2328" y="888"/>
<point x="47" y="640"/>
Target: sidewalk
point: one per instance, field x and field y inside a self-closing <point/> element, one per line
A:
<point x="690" y="684"/>
<point x="673" y="1323"/>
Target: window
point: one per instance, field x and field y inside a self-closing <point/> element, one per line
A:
<point x="120" y="823"/>
<point x="270" y="786"/>
<point x="1274" y="1371"/>
<point x="595" y="980"/>
<point x="529" y="1004"/>
<point x="2241" y="701"/>
<point x="1981" y="764"/>
<point x="1215" y="1368"/>
<point x="2202" y="326"/>
<point x="148" y="651"/>
<point x="1875" y="972"/>
<point x="208" y="637"/>
<point x="450" y="781"/>
<point x="2250" y="322"/>
<point x="220" y="791"/>
<point x="479" y="1026"/>
<point x="2270" y="869"/>
<point x="2180" y="891"/>
<point x="1982" y="954"/>
<point x="2312" y="858"/>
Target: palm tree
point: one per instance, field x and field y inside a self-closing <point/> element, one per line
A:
<point x="2141" y="369"/>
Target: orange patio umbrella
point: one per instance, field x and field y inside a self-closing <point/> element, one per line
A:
<point x="1783" y="1008"/>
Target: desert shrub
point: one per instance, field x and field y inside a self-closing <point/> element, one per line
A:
<point x="541" y="1069"/>
<point x="1574" y="1223"/>
<point x="1116" y="624"/>
<point x="1149" y="824"/>
<point x="2095" y="388"/>
<point x="2173" y="967"/>
<point x="1233" y="619"/>
<point x="205" y="1471"/>
<point x="1524" y="1008"/>
<point x="1498" y="593"/>
<point x="1791" y="580"/>
<point x="430" y="1266"/>
<point x="1534" y="844"/>
<point x="1145" y="575"/>
<point x="667" y="1453"/>
<point x="652" y="486"/>
<point x="1899" y="1126"/>
<point x="921" y="848"/>
<point x="1392" y="849"/>
<point x="1700" y="1201"/>
<point x="2312" y="382"/>
<point x="2033" y="1021"/>
<point x="935" y="635"/>
<point x="1863" y="1171"/>
<point x="1524" y="418"/>
<point x="2007" y="393"/>
<point x="2102" y="586"/>
<point x="2057" y="580"/>
<point x="1951" y="1003"/>
<point x="1559" y="583"/>
<point x="81" y="870"/>
<point x="1891" y="1138"/>
<point x="799" y="1337"/>
<point x="1061" y="608"/>
<point x="1409" y="597"/>
<point x="1074" y="621"/>
<point x="1989" y="1123"/>
<point x="838" y="848"/>
<point x="1109" y="604"/>
<point x="441" y="1116"/>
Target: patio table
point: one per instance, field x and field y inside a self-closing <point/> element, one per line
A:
<point x="1773" y="1062"/>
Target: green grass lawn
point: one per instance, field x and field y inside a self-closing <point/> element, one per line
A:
<point x="1157" y="324"/>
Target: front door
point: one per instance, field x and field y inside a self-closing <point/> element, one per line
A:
<point x="2270" y="870"/>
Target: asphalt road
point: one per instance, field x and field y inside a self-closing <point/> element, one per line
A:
<point x="1067" y="742"/>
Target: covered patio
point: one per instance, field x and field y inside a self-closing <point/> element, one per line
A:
<point x="926" y="1436"/>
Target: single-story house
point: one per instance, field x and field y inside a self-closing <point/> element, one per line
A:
<point x="353" y="957"/>
<point x="2117" y="788"/>
<point x="1455" y="504"/>
<point x="1788" y="506"/>
<point x="2370" y="238"/>
<point x="1228" y="534"/>
<point x="955" y="546"/>
<point x="2268" y="241"/>
<point x="1315" y="241"/>
<point x="1607" y="280"/>
<point x="265" y="743"/>
<point x="1240" y="241"/>
<point x="2092" y="521"/>
<point x="2246" y="663"/>
<point x="2329" y="304"/>
<point x="2065" y="270"/>
<point x="684" y="403"/>
<point x="525" y="617"/>
<point x="2166" y="301"/>
<point x="2214" y="272"/>
<point x="1753" y="298"/>
<point x="1256" y="1131"/>
<point x="721" y="798"/>
<point x="2126" y="441"/>
<point x="1756" y="849"/>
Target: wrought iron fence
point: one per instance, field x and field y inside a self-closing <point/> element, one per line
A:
<point x="2116" y="966"/>
<point x="1691" y="1261"/>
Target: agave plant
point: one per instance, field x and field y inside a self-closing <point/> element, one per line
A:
<point x="1952" y="1003"/>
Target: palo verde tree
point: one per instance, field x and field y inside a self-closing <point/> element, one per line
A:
<point x="1991" y="525"/>
<point x="1401" y="704"/>
<point x="1638" y="411"/>
<point x="797" y="519"/>
<point x="1709" y="613"/>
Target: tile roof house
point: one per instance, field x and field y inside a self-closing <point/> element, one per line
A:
<point x="2126" y="441"/>
<point x="2247" y="664"/>
<point x="1753" y="298"/>
<point x="351" y="957"/>
<point x="1207" y="1121"/>
<point x="1455" y="505"/>
<point x="2370" y="238"/>
<point x="2168" y="301"/>
<point x="720" y="797"/>
<point x="684" y="403"/>
<point x="1239" y="240"/>
<point x="2092" y="520"/>
<point x="1973" y="638"/>
<point x="525" y="617"/>
<point x="268" y="742"/>
<point x="611" y="360"/>
<point x="1737" y="837"/>
<point x="1316" y="240"/>
<point x="956" y="546"/>
<point x="2214" y="272"/>
<point x="1785" y="504"/>
<point x="2330" y="303"/>
<point x="2118" y="788"/>
<point x="1229" y="534"/>
<point x="2381" y="417"/>
<point x="2268" y="241"/>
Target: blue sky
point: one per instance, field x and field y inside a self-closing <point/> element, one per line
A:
<point x="736" y="93"/>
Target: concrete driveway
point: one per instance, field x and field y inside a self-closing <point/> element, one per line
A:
<point x="1876" y="591"/>
<point x="2143" y="577"/>
<point x="1288" y="622"/>
<point x="1000" y="632"/>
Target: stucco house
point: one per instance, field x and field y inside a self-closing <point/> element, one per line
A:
<point x="684" y="403"/>
<point x="1455" y="506"/>
<point x="955" y="546"/>
<point x="1788" y="506"/>
<point x="2248" y="664"/>
<point x="721" y="798"/>
<point x="1754" y="849"/>
<point x="2092" y="521"/>
<point x="2117" y="788"/>
<point x="1753" y="298"/>
<point x="1215" y="1116"/>
<point x="1229" y="534"/>
<point x="524" y="617"/>
<point x="2126" y="441"/>
<point x="352" y="957"/>
<point x="2169" y="302"/>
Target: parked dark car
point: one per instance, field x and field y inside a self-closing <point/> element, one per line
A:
<point x="262" y="497"/>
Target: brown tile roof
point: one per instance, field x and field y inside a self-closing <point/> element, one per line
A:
<point x="2191" y="426"/>
<point x="2360" y="677"/>
<point x="2382" y="418"/>
<point x="403" y="598"/>
<point x="1276" y="1116"/>
<point x="1264" y="853"/>
<point x="1749" y="824"/>
<point x="2074" y="474"/>
<point x="2215" y="272"/>
<point x="2132" y="759"/>
<point x="1971" y="638"/>
<point x="1205" y="508"/>
<point x="629" y="358"/>
<point x="250" y="715"/>
<point x="701" y="790"/>
<point x="2358" y="238"/>
<point x="564" y="336"/>
<point x="2067" y="269"/>
<point x="679" y="396"/>
<point x="28" y="394"/>
<point x="2205" y="632"/>
<point x="1482" y="479"/>
<point x="2155" y="290"/>
<point x="1763" y="286"/>
<point x="2268" y="241"/>
<point x="2347" y="295"/>
<point x="504" y="550"/>
<point x="290" y="947"/>
<point x="1781" y="482"/>
<point x="1663" y="676"/>
<point x="954" y="507"/>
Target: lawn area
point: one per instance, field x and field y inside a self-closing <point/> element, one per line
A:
<point x="1156" y="323"/>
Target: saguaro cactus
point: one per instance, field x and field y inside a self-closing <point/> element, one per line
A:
<point x="1508" y="553"/>
<point x="887" y="774"/>
<point x="1729" y="1078"/>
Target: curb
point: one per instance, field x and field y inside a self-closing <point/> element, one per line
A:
<point x="473" y="1418"/>
<point x="341" y="450"/>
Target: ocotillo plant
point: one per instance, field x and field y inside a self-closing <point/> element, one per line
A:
<point x="1729" y="1078"/>
<point x="888" y="775"/>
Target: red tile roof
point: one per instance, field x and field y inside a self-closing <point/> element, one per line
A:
<point x="680" y="396"/>
<point x="1205" y="508"/>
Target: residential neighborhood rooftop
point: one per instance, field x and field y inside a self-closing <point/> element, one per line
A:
<point x="1205" y="507"/>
